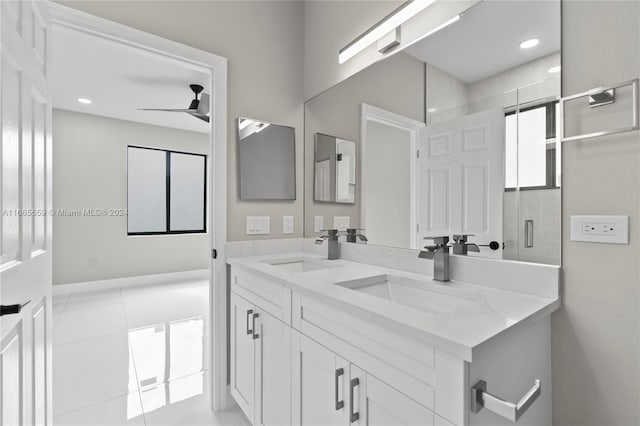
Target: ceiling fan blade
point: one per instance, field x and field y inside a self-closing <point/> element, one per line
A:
<point x="167" y="109"/>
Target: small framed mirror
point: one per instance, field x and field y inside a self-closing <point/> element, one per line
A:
<point x="334" y="169"/>
<point x="267" y="160"/>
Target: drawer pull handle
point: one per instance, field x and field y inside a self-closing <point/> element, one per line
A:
<point x="249" y="312"/>
<point x="480" y="398"/>
<point x="339" y="404"/>
<point x="255" y="335"/>
<point x="353" y="417"/>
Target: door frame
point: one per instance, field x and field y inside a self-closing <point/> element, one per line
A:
<point x="216" y="66"/>
<point x="370" y="113"/>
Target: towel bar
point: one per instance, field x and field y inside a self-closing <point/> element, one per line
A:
<point x="480" y="398"/>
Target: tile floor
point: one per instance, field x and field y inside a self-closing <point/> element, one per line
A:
<point x="134" y="356"/>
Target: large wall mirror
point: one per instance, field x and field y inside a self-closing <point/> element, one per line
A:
<point x="456" y="134"/>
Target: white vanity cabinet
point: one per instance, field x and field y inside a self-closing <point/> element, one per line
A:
<point x="300" y="358"/>
<point x="328" y="390"/>
<point x="260" y="360"/>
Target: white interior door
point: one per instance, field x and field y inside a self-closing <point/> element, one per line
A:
<point x="461" y="179"/>
<point x="25" y="228"/>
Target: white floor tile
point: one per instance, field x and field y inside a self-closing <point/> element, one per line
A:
<point x="151" y="305"/>
<point x="91" y="371"/>
<point x="58" y="304"/>
<point x="186" y="401"/>
<point x="169" y="350"/>
<point x="125" y="410"/>
<point x="91" y="315"/>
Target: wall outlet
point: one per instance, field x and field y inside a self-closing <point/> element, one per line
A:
<point x="318" y="223"/>
<point x="600" y="229"/>
<point x="341" y="222"/>
<point x="287" y="224"/>
<point x="258" y="225"/>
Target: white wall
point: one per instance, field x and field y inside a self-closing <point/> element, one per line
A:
<point x="395" y="84"/>
<point x="596" y="333"/>
<point x="90" y="172"/>
<point x="264" y="43"/>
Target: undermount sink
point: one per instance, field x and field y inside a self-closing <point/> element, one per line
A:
<point x="422" y="295"/>
<point x="300" y="265"/>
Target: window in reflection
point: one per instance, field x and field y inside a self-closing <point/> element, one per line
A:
<point x="166" y="352"/>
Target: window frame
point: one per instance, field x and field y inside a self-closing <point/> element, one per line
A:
<point x="550" y="172"/>
<point x="167" y="231"/>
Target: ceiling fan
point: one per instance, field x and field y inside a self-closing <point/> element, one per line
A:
<point x="199" y="108"/>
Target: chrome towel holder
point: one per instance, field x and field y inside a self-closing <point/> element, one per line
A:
<point x="598" y="97"/>
<point x="480" y="399"/>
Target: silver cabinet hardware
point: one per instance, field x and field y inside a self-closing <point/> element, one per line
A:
<point x="480" y="398"/>
<point x="528" y="233"/>
<point x="353" y="416"/>
<point x="249" y="313"/>
<point x="339" y="404"/>
<point x="255" y="335"/>
<point x="12" y="309"/>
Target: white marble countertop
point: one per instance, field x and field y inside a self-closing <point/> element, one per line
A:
<point x="465" y="316"/>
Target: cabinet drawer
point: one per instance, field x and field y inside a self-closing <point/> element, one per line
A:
<point x="402" y="363"/>
<point x="273" y="298"/>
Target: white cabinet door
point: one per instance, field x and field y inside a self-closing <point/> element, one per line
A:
<point x="319" y="382"/>
<point x="273" y="371"/>
<point x="25" y="225"/>
<point x="378" y="404"/>
<point x="242" y="354"/>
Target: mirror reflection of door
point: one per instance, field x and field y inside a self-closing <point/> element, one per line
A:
<point x="461" y="178"/>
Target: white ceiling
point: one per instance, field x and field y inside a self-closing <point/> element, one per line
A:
<point x="119" y="79"/>
<point x="486" y="40"/>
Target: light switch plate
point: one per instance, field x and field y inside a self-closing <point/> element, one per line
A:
<point x="341" y="222"/>
<point x="258" y="225"/>
<point x="318" y="223"/>
<point x="287" y="224"/>
<point x="600" y="229"/>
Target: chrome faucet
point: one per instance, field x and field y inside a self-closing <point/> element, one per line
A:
<point x="462" y="247"/>
<point x="334" y="246"/>
<point x="439" y="253"/>
<point x="353" y="235"/>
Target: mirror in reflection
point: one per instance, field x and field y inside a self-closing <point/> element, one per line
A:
<point x="455" y="135"/>
<point x="334" y="169"/>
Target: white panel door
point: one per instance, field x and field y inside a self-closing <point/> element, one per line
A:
<point x="378" y="404"/>
<point x="25" y="225"/>
<point x="242" y="354"/>
<point x="273" y="371"/>
<point x="461" y="179"/>
<point x="319" y="384"/>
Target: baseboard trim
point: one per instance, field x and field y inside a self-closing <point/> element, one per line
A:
<point x="127" y="282"/>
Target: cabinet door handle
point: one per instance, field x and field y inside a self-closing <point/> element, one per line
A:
<point x="339" y="404"/>
<point x="353" y="416"/>
<point x="255" y="335"/>
<point x="249" y="312"/>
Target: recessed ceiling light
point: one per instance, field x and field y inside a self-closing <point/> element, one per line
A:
<point x="432" y="109"/>
<point x="84" y="101"/>
<point x="527" y="44"/>
<point x="554" y="70"/>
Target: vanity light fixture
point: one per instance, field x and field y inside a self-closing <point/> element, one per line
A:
<point x="396" y="18"/>
<point x="528" y="44"/>
<point x="554" y="70"/>
<point x="84" y="101"/>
